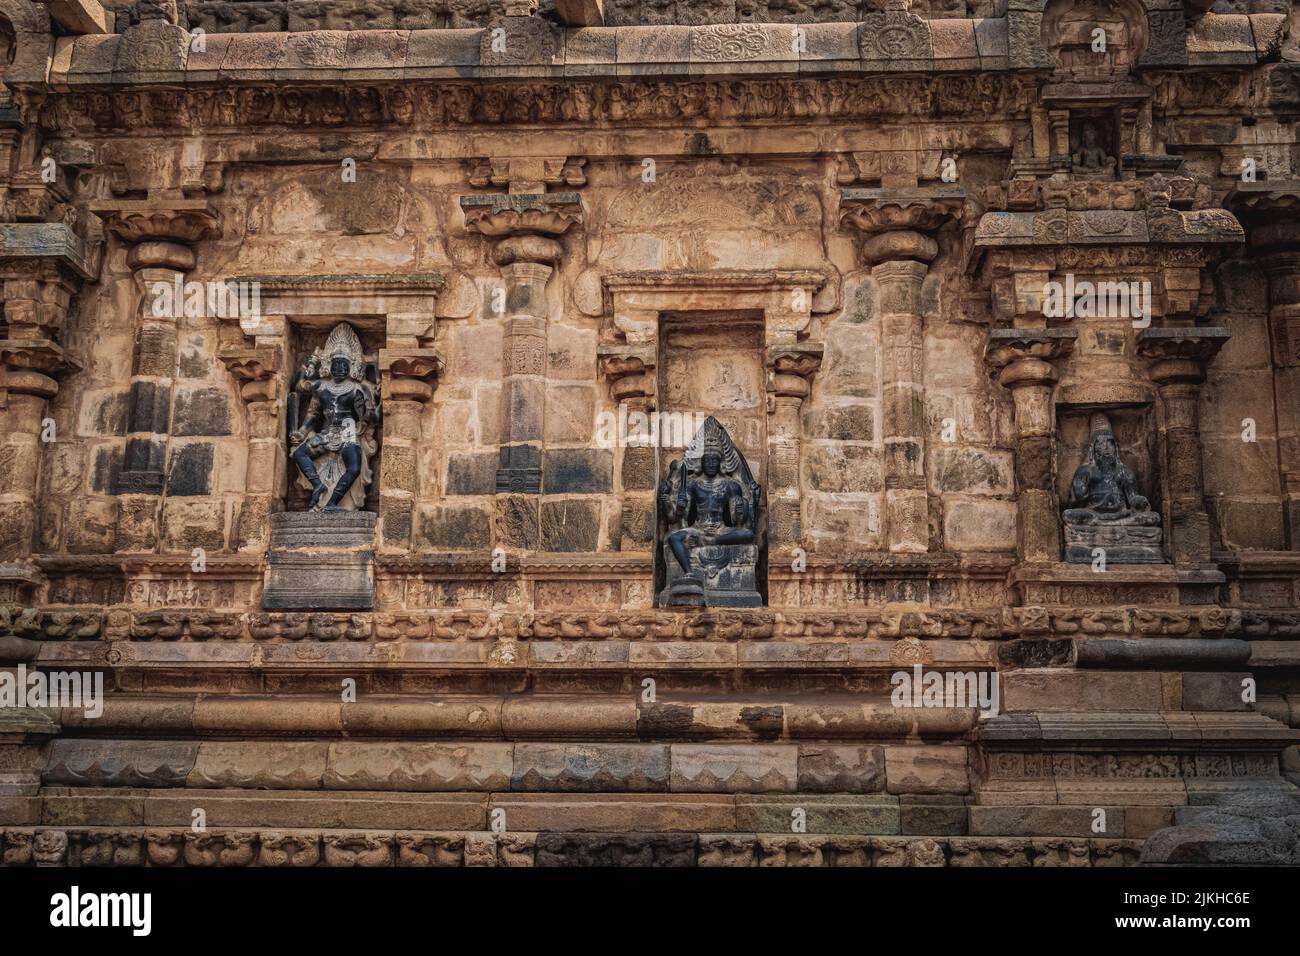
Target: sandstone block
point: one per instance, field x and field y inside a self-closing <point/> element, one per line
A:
<point x="923" y="769"/>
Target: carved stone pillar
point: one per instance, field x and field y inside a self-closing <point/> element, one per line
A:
<point x="30" y="364"/>
<point x="407" y="378"/>
<point x="1177" y="358"/>
<point x="48" y="250"/>
<point x="257" y="370"/>
<point x="789" y="381"/>
<point x="525" y="225"/>
<point x="162" y="234"/>
<point x="1024" y="359"/>
<point x="630" y="371"/>
<point x="899" y="253"/>
<point x="1269" y="211"/>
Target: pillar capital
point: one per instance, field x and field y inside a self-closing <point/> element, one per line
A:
<point x="790" y="370"/>
<point x="1024" y="357"/>
<point x="630" y="372"/>
<point x="170" y="220"/>
<point x="895" y="221"/>
<point x="499" y="215"/>
<point x="1177" y="356"/>
<point x="409" y="374"/>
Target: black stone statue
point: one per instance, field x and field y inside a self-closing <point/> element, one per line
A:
<point x="709" y="502"/>
<point x="334" y="440"/>
<point x="1105" y="510"/>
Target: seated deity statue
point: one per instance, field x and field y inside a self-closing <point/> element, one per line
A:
<point x="709" y="502"/>
<point x="1105" y="509"/>
<point x="1091" y="158"/>
<point x="333" y="441"/>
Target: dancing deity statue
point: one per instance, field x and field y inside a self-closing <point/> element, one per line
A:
<point x="334" y="439"/>
<point x="709" y="502"/>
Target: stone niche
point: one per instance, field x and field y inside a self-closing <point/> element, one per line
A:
<point x="303" y="337"/>
<point x="324" y="559"/>
<point x="1136" y="435"/>
<point x="710" y="364"/>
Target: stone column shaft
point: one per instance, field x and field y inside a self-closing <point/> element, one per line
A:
<point x="1037" y="509"/>
<point x="1188" y="521"/>
<point x="1024" y="357"/>
<point x="1283" y="269"/>
<point x="903" y="401"/>
<point x="161" y="233"/>
<point x="153" y="375"/>
<point x="523" y="389"/>
<point x="790" y="370"/>
<point x="1178" y="356"/>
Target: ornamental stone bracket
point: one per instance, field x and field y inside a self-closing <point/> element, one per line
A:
<point x="183" y="221"/>
<point x="1026" y="355"/>
<point x="410" y="374"/>
<point x="528" y="175"/>
<point x="630" y="372"/>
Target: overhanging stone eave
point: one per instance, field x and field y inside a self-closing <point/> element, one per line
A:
<point x="48" y="241"/>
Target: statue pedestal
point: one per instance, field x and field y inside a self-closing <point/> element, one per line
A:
<point x="722" y="575"/>
<point x="1123" y="543"/>
<point x="320" y="561"/>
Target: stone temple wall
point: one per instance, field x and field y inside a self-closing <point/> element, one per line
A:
<point x="831" y="227"/>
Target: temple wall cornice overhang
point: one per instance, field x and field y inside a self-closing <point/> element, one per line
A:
<point x="535" y="49"/>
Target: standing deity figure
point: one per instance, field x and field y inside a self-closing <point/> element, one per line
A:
<point x="1105" y="511"/>
<point x="334" y="439"/>
<point x="710" y="504"/>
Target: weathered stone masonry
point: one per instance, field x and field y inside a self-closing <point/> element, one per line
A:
<point x="830" y="229"/>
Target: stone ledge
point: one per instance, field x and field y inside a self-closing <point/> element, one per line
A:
<point x="326" y="56"/>
<point x="295" y="847"/>
<point x="538" y="718"/>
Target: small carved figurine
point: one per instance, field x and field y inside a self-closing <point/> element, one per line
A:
<point x="1091" y="157"/>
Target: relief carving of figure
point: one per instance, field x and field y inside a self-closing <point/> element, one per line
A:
<point x="1091" y="156"/>
<point x="334" y="439"/>
<point x="1105" y="509"/>
<point x="710" y="503"/>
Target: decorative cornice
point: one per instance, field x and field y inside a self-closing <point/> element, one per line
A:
<point x="724" y="280"/>
<point x="51" y="241"/>
<point x="369" y="282"/>
<point x="578" y="103"/>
